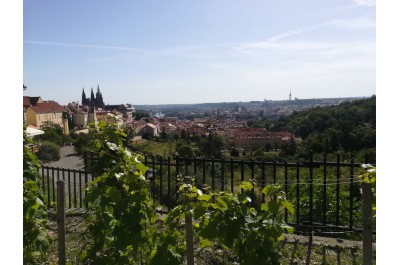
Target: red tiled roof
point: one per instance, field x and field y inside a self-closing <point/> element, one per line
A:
<point x="47" y="107"/>
<point x="27" y="102"/>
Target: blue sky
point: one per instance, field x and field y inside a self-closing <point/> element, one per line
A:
<point x="160" y="52"/>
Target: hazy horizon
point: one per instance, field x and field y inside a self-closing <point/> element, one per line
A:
<point x="194" y="103"/>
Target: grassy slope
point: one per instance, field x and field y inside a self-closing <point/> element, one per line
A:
<point x="154" y="148"/>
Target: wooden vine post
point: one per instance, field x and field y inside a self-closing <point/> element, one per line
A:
<point x="367" y="223"/>
<point x="188" y="227"/>
<point x="61" y="221"/>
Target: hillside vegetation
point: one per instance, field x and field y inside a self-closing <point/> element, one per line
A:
<point x="350" y="126"/>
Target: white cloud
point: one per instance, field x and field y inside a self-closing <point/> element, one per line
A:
<point x="357" y="23"/>
<point x="285" y="35"/>
<point x="314" y="47"/>
<point x="365" y="2"/>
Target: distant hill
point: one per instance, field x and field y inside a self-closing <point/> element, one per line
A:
<point x="251" y="104"/>
<point x="349" y="125"/>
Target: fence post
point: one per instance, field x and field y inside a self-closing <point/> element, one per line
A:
<point x="367" y="223"/>
<point x="311" y="182"/>
<point x="222" y="174"/>
<point x="232" y="177"/>
<point x="153" y="180"/>
<point x="85" y="165"/>
<point x="337" y="189"/>
<point x="169" y="183"/>
<point x="61" y="221"/>
<point x="86" y="186"/>
<point x="241" y="174"/>
<point x="161" y="178"/>
<point x="48" y="187"/>
<point x="212" y="174"/>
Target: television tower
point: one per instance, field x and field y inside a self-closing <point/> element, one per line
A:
<point x="290" y="95"/>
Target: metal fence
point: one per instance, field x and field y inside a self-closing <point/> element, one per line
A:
<point x="76" y="180"/>
<point x="326" y="195"/>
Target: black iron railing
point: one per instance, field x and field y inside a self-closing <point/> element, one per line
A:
<point x="326" y="195"/>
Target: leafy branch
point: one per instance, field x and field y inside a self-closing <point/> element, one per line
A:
<point x="35" y="238"/>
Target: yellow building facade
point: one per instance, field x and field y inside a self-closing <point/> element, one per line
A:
<point x="42" y="113"/>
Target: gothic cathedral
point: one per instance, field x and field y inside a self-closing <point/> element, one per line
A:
<point x="93" y="101"/>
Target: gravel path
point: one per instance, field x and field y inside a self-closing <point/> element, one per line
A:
<point x="69" y="159"/>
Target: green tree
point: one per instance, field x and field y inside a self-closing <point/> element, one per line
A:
<point x="349" y="125"/>
<point x="141" y="114"/>
<point x="83" y="142"/>
<point x="366" y="137"/>
<point x="333" y="138"/>
<point x="290" y="148"/>
<point x="315" y="144"/>
<point x="259" y="154"/>
<point x="49" y="151"/>
<point x="52" y="133"/>
<point x="212" y="145"/>
<point x="185" y="150"/>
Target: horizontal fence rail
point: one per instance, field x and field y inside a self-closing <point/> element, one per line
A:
<point x="326" y="195"/>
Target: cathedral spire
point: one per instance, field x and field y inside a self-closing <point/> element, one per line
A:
<point x="92" y="98"/>
<point x="99" y="98"/>
<point x="84" y="99"/>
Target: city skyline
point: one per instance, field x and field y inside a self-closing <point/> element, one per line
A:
<point x="187" y="52"/>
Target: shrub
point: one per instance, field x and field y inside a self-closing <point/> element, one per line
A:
<point x="83" y="142"/>
<point x="49" y="151"/>
<point x="53" y="133"/>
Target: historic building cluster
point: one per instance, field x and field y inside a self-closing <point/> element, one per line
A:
<point x="38" y="113"/>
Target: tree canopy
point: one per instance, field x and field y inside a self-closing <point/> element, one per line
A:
<point x="349" y="125"/>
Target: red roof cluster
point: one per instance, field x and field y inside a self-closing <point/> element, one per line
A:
<point x="47" y="107"/>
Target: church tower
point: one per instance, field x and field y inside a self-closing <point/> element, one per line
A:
<point x="99" y="99"/>
<point x="84" y="99"/>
